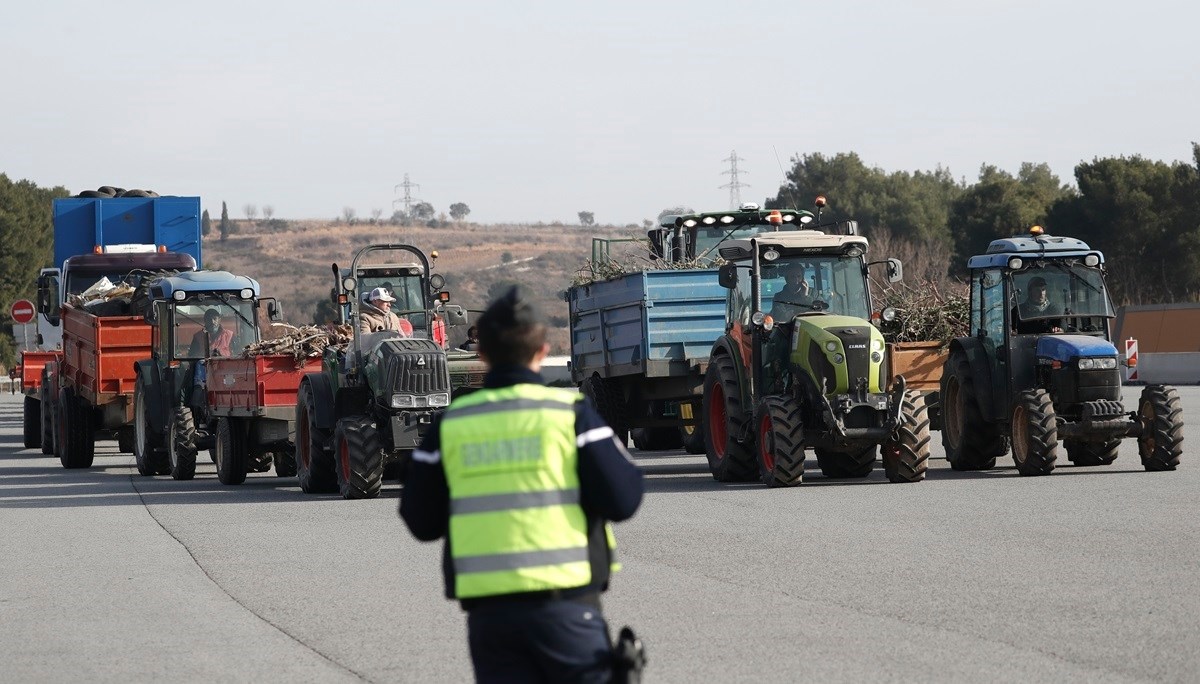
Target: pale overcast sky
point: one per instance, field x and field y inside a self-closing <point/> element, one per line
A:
<point x="533" y="111"/>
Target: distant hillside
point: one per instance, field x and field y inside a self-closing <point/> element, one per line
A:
<point x="292" y="263"/>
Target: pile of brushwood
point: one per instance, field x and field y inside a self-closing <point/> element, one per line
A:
<point x="306" y="341"/>
<point x="126" y="297"/>
<point x="611" y="268"/>
<point x="925" y="311"/>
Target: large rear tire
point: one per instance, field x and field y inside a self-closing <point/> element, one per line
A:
<point x="724" y="419"/>
<point x="1034" y="433"/>
<point x="906" y="455"/>
<point x="612" y="409"/>
<point x="76" y="431"/>
<point x="314" y="465"/>
<point x="359" y="458"/>
<point x="181" y="449"/>
<point x="232" y="451"/>
<point x="780" y="442"/>
<point x="847" y="464"/>
<point x="1092" y="453"/>
<point x="32" y="423"/>
<point x="147" y="445"/>
<point x="971" y="443"/>
<point x="1161" y="443"/>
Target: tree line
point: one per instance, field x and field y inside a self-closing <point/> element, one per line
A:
<point x="1143" y="214"/>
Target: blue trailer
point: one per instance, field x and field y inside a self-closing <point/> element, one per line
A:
<point x="640" y="342"/>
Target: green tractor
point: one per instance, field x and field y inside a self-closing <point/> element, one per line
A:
<point x="800" y="366"/>
<point x="368" y="408"/>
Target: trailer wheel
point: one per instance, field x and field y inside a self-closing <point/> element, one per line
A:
<point x="1034" y="433"/>
<point x="181" y="447"/>
<point x="607" y="405"/>
<point x="1092" y="453"/>
<point x="32" y="423"/>
<point x="232" y="451"/>
<point x="971" y="442"/>
<point x="75" y="431"/>
<point x="846" y="464"/>
<point x="1160" y="444"/>
<point x="147" y="446"/>
<point x="314" y="465"/>
<point x="260" y="462"/>
<point x="692" y="436"/>
<point x="780" y="442"/>
<point x="125" y="440"/>
<point x="906" y="455"/>
<point x="724" y="418"/>
<point x="47" y="421"/>
<point x="285" y="462"/>
<point x="359" y="458"/>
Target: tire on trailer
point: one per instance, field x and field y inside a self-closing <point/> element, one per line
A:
<point x="847" y="464"/>
<point x="181" y="444"/>
<point x="906" y="455"/>
<point x="1161" y="443"/>
<point x="607" y="405"/>
<point x="93" y="193"/>
<point x="259" y="462"/>
<point x="1092" y="453"/>
<point x="148" y="453"/>
<point x="75" y="431"/>
<point x="135" y="193"/>
<point x="1034" y="433"/>
<point x="125" y="439"/>
<point x="32" y="423"/>
<point x="971" y="443"/>
<point x="359" y="458"/>
<point x="233" y="452"/>
<point x="314" y="465"/>
<point x="724" y="418"/>
<point x="780" y="442"/>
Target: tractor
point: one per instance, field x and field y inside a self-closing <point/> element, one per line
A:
<point x="368" y="408"/>
<point x="1040" y="367"/>
<point x="810" y="371"/>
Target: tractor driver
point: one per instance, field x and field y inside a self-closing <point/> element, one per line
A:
<point x="220" y="338"/>
<point x="795" y="297"/>
<point x="1037" y="303"/>
<point x="376" y="314"/>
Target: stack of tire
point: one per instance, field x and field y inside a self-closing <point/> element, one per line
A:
<point x="109" y="191"/>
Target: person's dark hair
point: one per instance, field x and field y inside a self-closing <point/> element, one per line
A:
<point x="510" y="330"/>
<point x="1037" y="280"/>
<point x="212" y="315"/>
<point x="473" y="331"/>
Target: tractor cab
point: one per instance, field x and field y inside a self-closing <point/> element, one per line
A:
<point x="698" y="237"/>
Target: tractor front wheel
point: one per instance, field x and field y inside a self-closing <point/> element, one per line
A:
<point x="906" y="455"/>
<point x="1034" y="433"/>
<point x="359" y="458"/>
<point x="147" y="452"/>
<point x="233" y="453"/>
<point x="780" y="442"/>
<point x="724" y="418"/>
<point x="1161" y="443"/>
<point x="181" y="449"/>
<point x="970" y="441"/>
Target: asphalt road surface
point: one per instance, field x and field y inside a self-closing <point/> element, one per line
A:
<point x="1090" y="574"/>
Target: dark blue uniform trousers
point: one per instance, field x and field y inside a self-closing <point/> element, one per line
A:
<point x="539" y="641"/>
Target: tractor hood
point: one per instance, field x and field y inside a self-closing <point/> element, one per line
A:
<point x="1067" y="347"/>
<point x="839" y="352"/>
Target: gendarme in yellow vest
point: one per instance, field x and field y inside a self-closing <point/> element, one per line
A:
<point x="510" y="459"/>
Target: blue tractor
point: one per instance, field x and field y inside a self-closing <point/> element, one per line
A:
<point x="1041" y="369"/>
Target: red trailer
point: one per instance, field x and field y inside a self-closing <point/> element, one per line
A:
<point x="95" y="380"/>
<point x="38" y="407"/>
<point x="253" y="403"/>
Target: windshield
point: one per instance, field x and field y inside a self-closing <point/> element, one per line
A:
<point x="406" y="289"/>
<point x="230" y="327"/>
<point x="794" y="285"/>
<point x="1062" y="290"/>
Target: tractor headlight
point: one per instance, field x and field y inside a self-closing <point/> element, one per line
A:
<point x="246" y="293"/>
<point x="831" y="346"/>
<point x="877" y="345"/>
<point x="179" y="295"/>
<point x="1104" y="363"/>
<point x="403" y="401"/>
<point x="437" y="400"/>
<point x="876" y="357"/>
<point x="1015" y="263"/>
<point x="838" y="358"/>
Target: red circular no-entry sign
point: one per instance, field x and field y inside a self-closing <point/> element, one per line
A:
<point x="22" y="311"/>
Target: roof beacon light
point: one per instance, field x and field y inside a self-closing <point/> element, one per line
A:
<point x="820" y="201"/>
<point x="1036" y="231"/>
<point x="775" y="217"/>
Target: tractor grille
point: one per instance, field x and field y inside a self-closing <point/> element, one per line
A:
<point x="416" y="367"/>
<point x="857" y="344"/>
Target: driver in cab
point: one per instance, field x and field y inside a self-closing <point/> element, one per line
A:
<point x="1036" y="305"/>
<point x="375" y="314"/>
<point x="795" y="297"/>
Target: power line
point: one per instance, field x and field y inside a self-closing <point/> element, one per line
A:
<point x="735" y="186"/>
<point x="408" y="200"/>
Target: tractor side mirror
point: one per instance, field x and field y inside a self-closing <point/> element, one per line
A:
<point x="727" y="276"/>
<point x="274" y="311"/>
<point x="895" y="270"/>
<point x="151" y="315"/>
<point x="454" y="314"/>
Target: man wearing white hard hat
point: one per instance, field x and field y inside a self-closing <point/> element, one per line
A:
<point x="375" y="315"/>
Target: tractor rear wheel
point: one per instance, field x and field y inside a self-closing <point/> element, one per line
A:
<point x="1034" y="433"/>
<point x="780" y="442"/>
<point x="724" y="418"/>
<point x="1160" y="444"/>
<point x="314" y="465"/>
<point x="76" y="431"/>
<point x="233" y="453"/>
<point x="147" y="446"/>
<point x="610" y="407"/>
<point x="359" y="458"/>
<point x="971" y="442"/>
<point x="32" y="423"/>
<point x="906" y="455"/>
<point x="846" y="464"/>
<point x="1092" y="453"/>
<point x="181" y="449"/>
